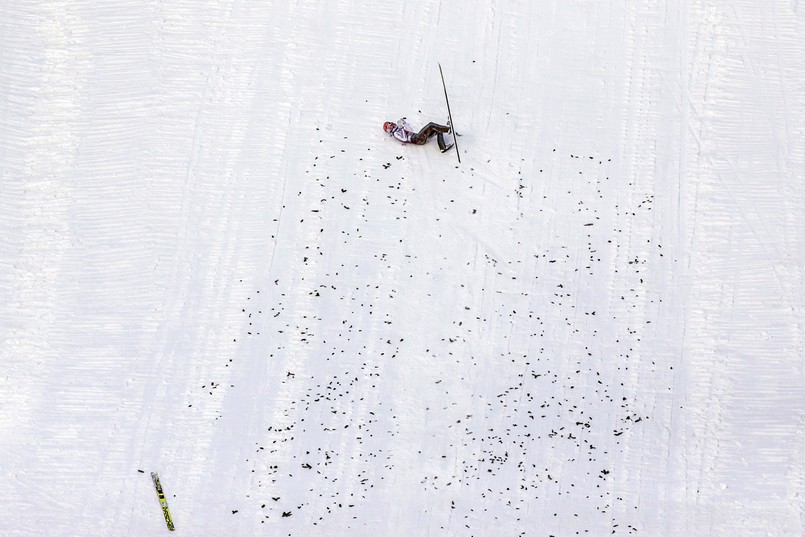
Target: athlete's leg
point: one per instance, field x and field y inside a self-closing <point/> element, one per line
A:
<point x="427" y="131"/>
<point x="440" y="141"/>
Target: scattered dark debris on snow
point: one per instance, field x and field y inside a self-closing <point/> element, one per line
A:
<point x="536" y="433"/>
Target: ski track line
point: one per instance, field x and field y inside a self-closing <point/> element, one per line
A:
<point x="726" y="219"/>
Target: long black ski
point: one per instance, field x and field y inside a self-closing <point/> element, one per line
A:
<point x="449" y="114"/>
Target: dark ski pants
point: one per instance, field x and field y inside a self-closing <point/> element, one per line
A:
<point x="429" y="130"/>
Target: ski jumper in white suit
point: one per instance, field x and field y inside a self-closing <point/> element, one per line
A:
<point x="403" y="132"/>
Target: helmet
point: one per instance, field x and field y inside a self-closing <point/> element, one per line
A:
<point x="388" y="126"/>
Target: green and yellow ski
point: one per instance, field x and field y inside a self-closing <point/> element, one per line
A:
<point x="162" y="501"/>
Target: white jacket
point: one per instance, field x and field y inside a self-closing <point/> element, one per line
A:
<point x="403" y="131"/>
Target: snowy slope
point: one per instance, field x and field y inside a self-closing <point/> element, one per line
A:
<point x="214" y="265"/>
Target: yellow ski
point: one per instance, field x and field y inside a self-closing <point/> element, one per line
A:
<point x="162" y="501"/>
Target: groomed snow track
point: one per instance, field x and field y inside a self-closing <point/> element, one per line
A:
<point x="214" y="265"/>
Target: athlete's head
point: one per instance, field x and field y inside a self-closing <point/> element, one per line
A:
<point x="389" y="126"/>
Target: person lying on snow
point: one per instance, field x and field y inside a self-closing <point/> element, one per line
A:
<point x="404" y="133"/>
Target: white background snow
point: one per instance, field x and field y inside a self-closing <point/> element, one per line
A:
<point x="214" y="265"/>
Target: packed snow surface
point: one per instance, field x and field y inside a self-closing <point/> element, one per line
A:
<point x="215" y="265"/>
